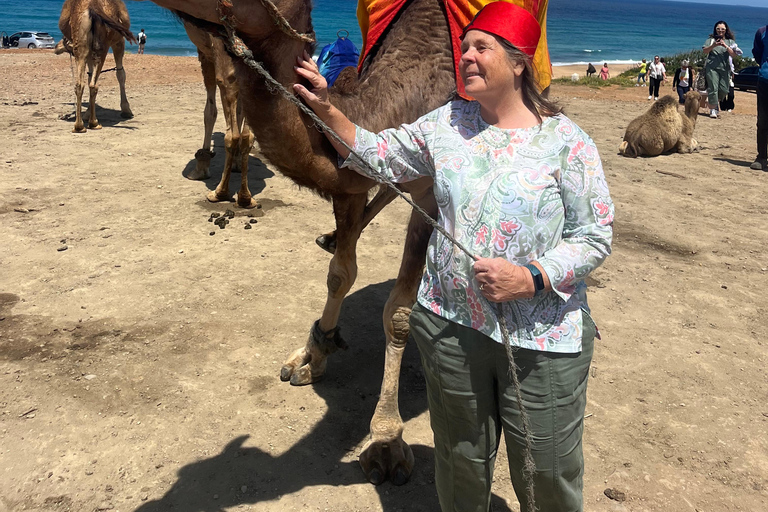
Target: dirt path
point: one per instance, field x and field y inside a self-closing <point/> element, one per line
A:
<point x="139" y="367"/>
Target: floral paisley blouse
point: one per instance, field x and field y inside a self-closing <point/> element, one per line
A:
<point x="523" y="194"/>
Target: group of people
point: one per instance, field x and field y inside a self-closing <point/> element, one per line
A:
<point x="605" y="74"/>
<point x="714" y="81"/>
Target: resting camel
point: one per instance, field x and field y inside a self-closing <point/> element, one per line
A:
<point x="218" y="69"/>
<point x="90" y="29"/>
<point x="409" y="74"/>
<point x="663" y="128"/>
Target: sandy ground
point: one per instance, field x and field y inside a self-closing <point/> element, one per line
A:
<point x="139" y="367"/>
<point x="567" y="71"/>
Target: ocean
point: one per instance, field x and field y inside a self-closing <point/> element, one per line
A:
<point x="579" y="31"/>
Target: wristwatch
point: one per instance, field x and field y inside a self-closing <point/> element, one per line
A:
<point x="538" y="279"/>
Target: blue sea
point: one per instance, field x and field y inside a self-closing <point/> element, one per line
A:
<point x="579" y="31"/>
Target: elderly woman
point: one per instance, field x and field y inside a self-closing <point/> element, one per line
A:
<point x="522" y="187"/>
<point x="720" y="48"/>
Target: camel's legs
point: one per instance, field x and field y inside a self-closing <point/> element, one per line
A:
<point x="228" y="94"/>
<point x="307" y="364"/>
<point x="244" y="198"/>
<point x="118" y="50"/>
<point x="382" y="198"/>
<point x="93" y="122"/>
<point x="204" y="155"/>
<point x="79" y="87"/>
<point x="385" y="453"/>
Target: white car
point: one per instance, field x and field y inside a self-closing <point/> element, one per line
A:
<point x="31" y="40"/>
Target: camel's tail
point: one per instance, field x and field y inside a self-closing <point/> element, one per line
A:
<point x="98" y="14"/>
<point x="628" y="149"/>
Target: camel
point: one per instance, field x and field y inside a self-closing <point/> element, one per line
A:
<point x="218" y="69"/>
<point x="409" y="74"/>
<point x="90" y="29"/>
<point x="663" y="128"/>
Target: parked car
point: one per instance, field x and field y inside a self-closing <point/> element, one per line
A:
<point x="31" y="40"/>
<point x="746" y="79"/>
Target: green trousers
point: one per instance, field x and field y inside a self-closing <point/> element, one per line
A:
<point x="471" y="400"/>
<point x="718" y="84"/>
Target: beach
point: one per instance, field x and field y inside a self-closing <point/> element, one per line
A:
<point x="140" y="345"/>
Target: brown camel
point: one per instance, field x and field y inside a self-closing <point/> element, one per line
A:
<point x="218" y="69"/>
<point x="90" y="29"/>
<point x="663" y="128"/>
<point x="410" y="73"/>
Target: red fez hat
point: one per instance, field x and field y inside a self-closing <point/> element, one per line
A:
<point x="509" y="22"/>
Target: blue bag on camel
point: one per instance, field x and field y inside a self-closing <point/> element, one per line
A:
<point x="337" y="56"/>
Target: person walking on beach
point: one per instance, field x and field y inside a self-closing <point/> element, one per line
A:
<point x="522" y="186"/>
<point x="719" y="46"/>
<point x="658" y="73"/>
<point x="604" y="73"/>
<point x="591" y="70"/>
<point x="683" y="80"/>
<point x="760" y="52"/>
<point x="642" y="73"/>
<point x="142" y="39"/>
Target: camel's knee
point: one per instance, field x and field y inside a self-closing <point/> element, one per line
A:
<point x="399" y="326"/>
<point x="340" y="280"/>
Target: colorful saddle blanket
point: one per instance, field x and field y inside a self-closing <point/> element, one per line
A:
<point x="375" y="16"/>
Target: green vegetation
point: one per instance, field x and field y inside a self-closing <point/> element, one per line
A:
<point x="628" y="78"/>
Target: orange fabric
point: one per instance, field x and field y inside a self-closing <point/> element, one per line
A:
<point x="375" y="16"/>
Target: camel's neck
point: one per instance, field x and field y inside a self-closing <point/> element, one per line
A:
<point x="692" y="109"/>
<point x="412" y="74"/>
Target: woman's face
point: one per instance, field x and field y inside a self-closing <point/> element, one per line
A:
<point x="720" y="30"/>
<point x="485" y="67"/>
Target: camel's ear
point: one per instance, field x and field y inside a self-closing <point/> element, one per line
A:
<point x="627" y="149"/>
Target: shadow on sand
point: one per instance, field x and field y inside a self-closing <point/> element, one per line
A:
<point x="246" y="475"/>
<point x="739" y="163"/>
<point x="257" y="171"/>
<point x="108" y="117"/>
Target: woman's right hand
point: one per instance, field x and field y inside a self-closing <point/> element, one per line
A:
<point x="317" y="98"/>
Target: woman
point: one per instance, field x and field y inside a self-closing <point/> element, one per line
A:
<point x="604" y="73"/>
<point x="683" y="80"/>
<point x="658" y="73"/>
<point x="522" y="187"/>
<point x="719" y="47"/>
<point x="641" y="74"/>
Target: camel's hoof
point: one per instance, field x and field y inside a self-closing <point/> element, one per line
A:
<point x="327" y="242"/>
<point x="214" y="197"/>
<point x="126" y="115"/>
<point x="246" y="202"/>
<point x="79" y="130"/>
<point x="94" y="127"/>
<point x="285" y="373"/>
<point x="391" y="459"/>
<point x="303" y="376"/>
<point x="376" y="476"/>
<point x="400" y="477"/>
<point x="199" y="174"/>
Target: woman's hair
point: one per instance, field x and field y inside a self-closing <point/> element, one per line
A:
<point x="655" y="56"/>
<point x="532" y="98"/>
<point x="643" y="60"/>
<point x="728" y="33"/>
<point x="684" y="63"/>
<point x="606" y="64"/>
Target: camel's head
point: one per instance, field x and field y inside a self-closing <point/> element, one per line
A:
<point x="692" y="105"/>
<point x="63" y="46"/>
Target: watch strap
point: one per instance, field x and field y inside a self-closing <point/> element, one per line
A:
<point x="538" y="279"/>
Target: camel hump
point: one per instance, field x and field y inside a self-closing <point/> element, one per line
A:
<point x="347" y="81"/>
<point x="98" y="13"/>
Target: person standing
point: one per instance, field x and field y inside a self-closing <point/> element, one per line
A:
<point x="658" y="73"/>
<point x="642" y="73"/>
<point x="523" y="188"/>
<point x="719" y="47"/>
<point x="760" y="52"/>
<point x="142" y="39"/>
<point x="683" y="80"/>
<point x="604" y="73"/>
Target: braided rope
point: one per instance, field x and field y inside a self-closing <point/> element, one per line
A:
<point x="241" y="50"/>
<point x="225" y="11"/>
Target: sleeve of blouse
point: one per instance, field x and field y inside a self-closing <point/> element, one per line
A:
<point x="399" y="154"/>
<point x="708" y="43"/>
<point x="588" y="225"/>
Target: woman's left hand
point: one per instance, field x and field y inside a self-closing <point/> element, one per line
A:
<point x="501" y="281"/>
